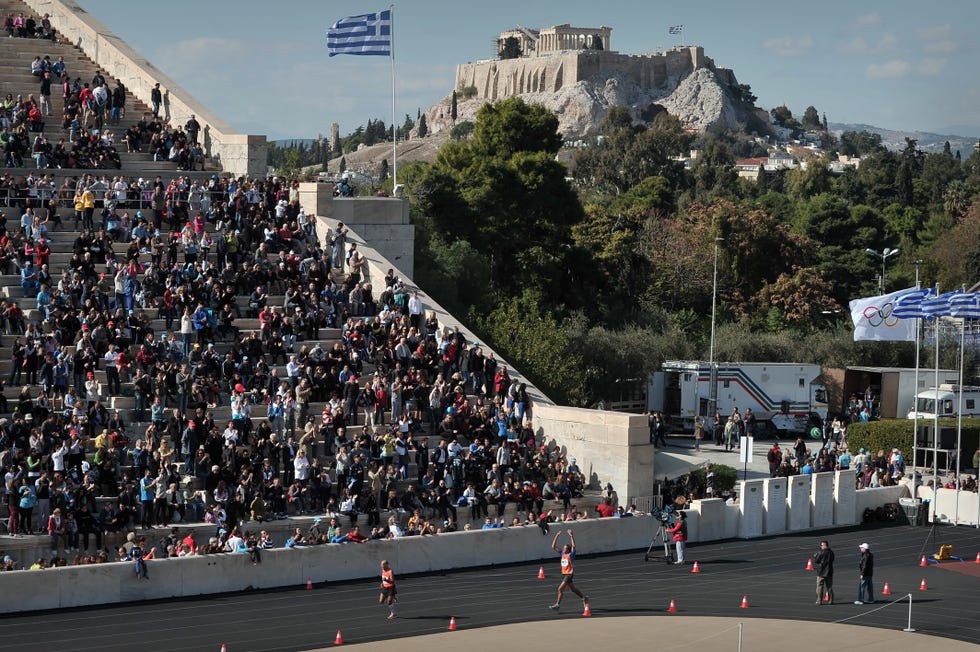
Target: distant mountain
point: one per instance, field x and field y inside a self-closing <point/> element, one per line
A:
<point x="973" y="131"/>
<point x="926" y="141"/>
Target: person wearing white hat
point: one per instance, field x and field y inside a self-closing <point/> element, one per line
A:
<point x="867" y="567"/>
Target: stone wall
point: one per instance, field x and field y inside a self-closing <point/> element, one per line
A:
<point x="499" y="79"/>
<point x="114" y="583"/>
<point x="240" y="154"/>
<point x="611" y="447"/>
<point x="382" y="221"/>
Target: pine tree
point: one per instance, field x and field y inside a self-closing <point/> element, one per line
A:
<point x="423" y="127"/>
<point x="454" y="112"/>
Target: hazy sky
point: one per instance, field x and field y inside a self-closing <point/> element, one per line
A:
<point x="263" y="66"/>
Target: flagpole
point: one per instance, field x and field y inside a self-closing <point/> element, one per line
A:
<point x="394" y="124"/>
<point x="959" y="424"/>
<point x="915" y="394"/>
<point x="935" y="415"/>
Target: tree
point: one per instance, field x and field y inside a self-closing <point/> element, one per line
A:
<point x="860" y="143"/>
<point x="511" y="48"/>
<point x="468" y="92"/>
<point x="383" y="173"/>
<point x="629" y="153"/>
<point x="504" y="193"/>
<point x="343" y="164"/>
<point x="454" y="111"/>
<point x="533" y="339"/>
<point x="743" y="93"/>
<point x="423" y="127"/>
<point x="811" y="119"/>
<point x="462" y="130"/>
<point x="783" y="117"/>
<point x="596" y="42"/>
<point x="714" y="172"/>
<point x="815" y="179"/>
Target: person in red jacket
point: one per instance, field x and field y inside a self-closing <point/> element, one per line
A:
<point x="680" y="536"/>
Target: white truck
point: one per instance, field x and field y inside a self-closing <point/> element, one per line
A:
<point x="947" y="398"/>
<point x="785" y="396"/>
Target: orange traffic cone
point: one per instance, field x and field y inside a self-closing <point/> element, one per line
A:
<point x="826" y="597"/>
<point x="745" y="602"/>
<point x="452" y="624"/>
<point x="923" y="561"/>
<point x="978" y="557"/>
<point x="886" y="590"/>
<point x="672" y="608"/>
<point x="587" y="611"/>
<point x="809" y="564"/>
<point x="696" y="568"/>
<point x="309" y="583"/>
<point x="224" y="648"/>
<point x="541" y="573"/>
<point x="922" y="585"/>
<point x="339" y="640"/>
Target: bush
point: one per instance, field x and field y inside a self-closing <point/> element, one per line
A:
<point x="897" y="433"/>
<point x="725" y="478"/>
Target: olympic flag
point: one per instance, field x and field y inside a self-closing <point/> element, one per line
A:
<point x="874" y="321"/>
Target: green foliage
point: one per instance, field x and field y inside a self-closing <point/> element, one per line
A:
<point x="532" y="338"/>
<point x="454" y="110"/>
<point x="511" y="48"/>
<point x="783" y="117"/>
<point x="423" y="127"/>
<point x="462" y="130"/>
<point x="725" y="477"/>
<point x="743" y="93"/>
<point x="885" y="435"/>
<point x="860" y="143"/>
<point x="811" y="119"/>
<point x="468" y="92"/>
<point x="629" y="153"/>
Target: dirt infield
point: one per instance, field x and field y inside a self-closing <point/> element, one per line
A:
<point x="640" y="632"/>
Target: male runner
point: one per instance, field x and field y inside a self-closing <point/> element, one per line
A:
<point x="388" y="591"/>
<point x="567" y="571"/>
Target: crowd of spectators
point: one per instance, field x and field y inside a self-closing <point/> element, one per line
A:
<point x="395" y="417"/>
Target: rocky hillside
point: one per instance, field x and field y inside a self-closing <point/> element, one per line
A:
<point x="699" y="100"/>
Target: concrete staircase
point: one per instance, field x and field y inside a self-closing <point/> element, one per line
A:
<point x="16" y="79"/>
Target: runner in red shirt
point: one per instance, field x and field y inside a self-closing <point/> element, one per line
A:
<point x="567" y="570"/>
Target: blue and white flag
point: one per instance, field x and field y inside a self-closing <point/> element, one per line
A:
<point x="909" y="304"/>
<point x="366" y="34"/>
<point x="935" y="307"/>
<point x="874" y="319"/>
<point x="965" y="305"/>
<point x="675" y="29"/>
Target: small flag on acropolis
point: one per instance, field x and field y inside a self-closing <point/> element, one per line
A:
<point x="675" y="29"/>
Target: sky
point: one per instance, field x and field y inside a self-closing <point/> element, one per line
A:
<point x="263" y="66"/>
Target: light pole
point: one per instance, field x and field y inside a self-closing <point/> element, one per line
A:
<point x="713" y="382"/>
<point x="884" y="255"/>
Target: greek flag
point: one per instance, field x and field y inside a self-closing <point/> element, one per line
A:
<point x="909" y="304"/>
<point x="935" y="307"/>
<point x="965" y="305"/>
<point x="366" y="34"/>
<point x="675" y="29"/>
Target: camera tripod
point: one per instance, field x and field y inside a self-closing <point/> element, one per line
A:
<point x="660" y="536"/>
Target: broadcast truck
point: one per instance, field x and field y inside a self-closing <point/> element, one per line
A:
<point x="787" y="397"/>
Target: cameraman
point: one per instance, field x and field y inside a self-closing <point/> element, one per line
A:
<point x="680" y="536"/>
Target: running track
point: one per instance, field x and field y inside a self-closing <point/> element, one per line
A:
<point x="769" y="571"/>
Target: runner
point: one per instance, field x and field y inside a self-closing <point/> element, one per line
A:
<point x="388" y="591"/>
<point x="567" y="571"/>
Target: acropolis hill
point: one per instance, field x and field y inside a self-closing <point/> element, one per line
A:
<point x="573" y="71"/>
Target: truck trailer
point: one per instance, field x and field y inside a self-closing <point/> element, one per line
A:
<point x="786" y="396"/>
